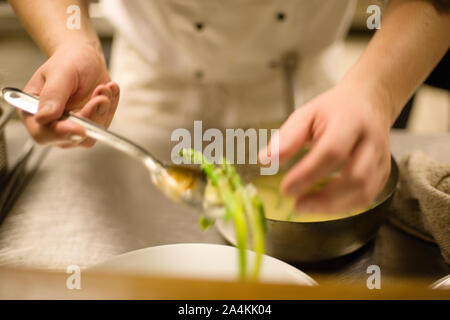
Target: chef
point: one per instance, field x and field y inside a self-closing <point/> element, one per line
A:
<point x="219" y="61"/>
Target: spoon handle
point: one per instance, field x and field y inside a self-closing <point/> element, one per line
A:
<point x="95" y="131"/>
<point x="29" y="103"/>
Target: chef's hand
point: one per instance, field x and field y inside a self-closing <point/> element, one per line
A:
<point x="348" y="126"/>
<point x="74" y="78"/>
<point x="346" y="130"/>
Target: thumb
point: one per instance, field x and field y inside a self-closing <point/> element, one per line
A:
<point x="293" y="134"/>
<point x="53" y="98"/>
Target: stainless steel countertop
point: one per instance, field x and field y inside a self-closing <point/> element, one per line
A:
<point x="85" y="206"/>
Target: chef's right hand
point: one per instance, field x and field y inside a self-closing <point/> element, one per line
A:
<point x="74" y="78"/>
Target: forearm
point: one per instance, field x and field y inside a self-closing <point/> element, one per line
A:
<point x="46" y="22"/>
<point x="412" y="39"/>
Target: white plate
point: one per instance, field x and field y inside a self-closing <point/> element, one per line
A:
<point x="443" y="283"/>
<point x="198" y="260"/>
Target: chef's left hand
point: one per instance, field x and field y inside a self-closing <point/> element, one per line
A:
<point x="347" y="129"/>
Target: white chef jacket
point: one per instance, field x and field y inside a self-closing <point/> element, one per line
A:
<point x="212" y="60"/>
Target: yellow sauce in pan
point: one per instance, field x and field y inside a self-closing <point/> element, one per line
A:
<point x="280" y="207"/>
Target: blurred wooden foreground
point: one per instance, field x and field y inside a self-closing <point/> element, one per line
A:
<point x="33" y="284"/>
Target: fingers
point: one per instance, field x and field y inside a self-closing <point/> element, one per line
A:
<point x="115" y="90"/>
<point x="326" y="156"/>
<point x="40" y="126"/>
<point x="98" y="107"/>
<point x="295" y="132"/>
<point x="55" y="93"/>
<point x="361" y="179"/>
<point x="293" y="135"/>
<point x="103" y="104"/>
<point x="53" y="133"/>
<point x="35" y="84"/>
<point x="103" y="89"/>
<point x="114" y="87"/>
<point x="101" y="107"/>
<point x="95" y="110"/>
<point x="65" y="134"/>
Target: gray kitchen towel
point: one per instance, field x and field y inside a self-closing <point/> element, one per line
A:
<point x="422" y="201"/>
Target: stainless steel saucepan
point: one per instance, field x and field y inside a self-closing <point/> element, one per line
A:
<point x="322" y="240"/>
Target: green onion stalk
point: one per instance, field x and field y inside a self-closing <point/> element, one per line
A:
<point x="242" y="204"/>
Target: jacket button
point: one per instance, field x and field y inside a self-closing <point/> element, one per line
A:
<point x="272" y="64"/>
<point x="281" y="16"/>
<point x="199" y="26"/>
<point x="199" y="74"/>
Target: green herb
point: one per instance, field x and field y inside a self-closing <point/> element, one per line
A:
<point x="242" y="205"/>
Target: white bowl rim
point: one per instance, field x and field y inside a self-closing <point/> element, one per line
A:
<point x="300" y="275"/>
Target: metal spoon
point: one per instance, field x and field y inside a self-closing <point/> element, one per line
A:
<point x="183" y="185"/>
